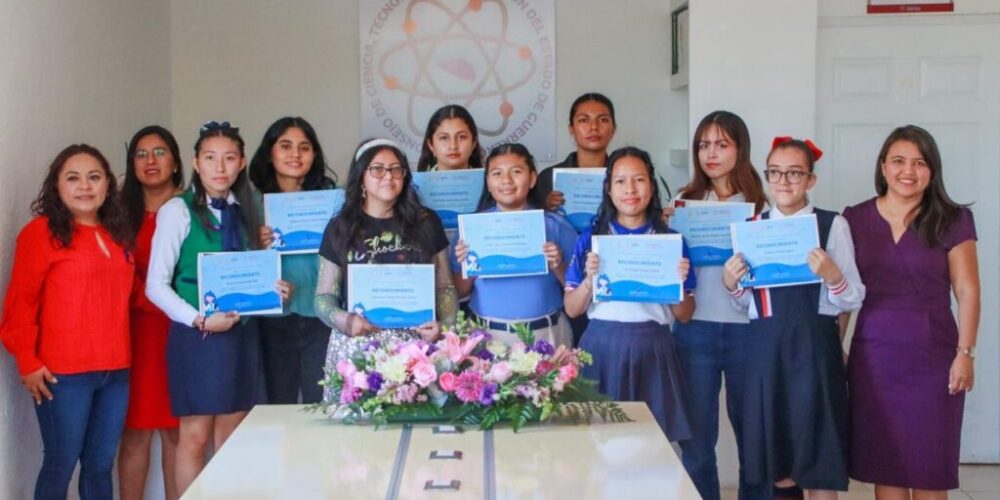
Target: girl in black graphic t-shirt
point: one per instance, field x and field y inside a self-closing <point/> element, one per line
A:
<point x="381" y="223"/>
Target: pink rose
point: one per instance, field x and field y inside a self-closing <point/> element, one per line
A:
<point x="346" y="368"/>
<point x="448" y="381"/>
<point x="500" y="372"/>
<point x="544" y="367"/>
<point x="424" y="373"/>
<point x="568" y="373"/>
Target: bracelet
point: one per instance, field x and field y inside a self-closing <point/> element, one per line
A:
<point x="969" y="351"/>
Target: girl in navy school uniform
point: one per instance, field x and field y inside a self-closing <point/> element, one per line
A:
<point x="713" y="343"/>
<point x="632" y="343"/>
<point x="534" y="300"/>
<point x="293" y="345"/>
<point x="795" y="402"/>
<point x="212" y="361"/>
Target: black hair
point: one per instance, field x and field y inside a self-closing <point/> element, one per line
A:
<point x="241" y="189"/>
<point x="443" y="113"/>
<point x="508" y="148"/>
<point x="132" y="197"/>
<point x="607" y="212"/>
<point x="407" y="211"/>
<point x="935" y="214"/>
<point x="262" y="167"/>
<point x="588" y="97"/>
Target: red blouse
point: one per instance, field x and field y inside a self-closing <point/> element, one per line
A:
<point x="67" y="308"/>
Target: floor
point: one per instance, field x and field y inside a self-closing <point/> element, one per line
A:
<point x="979" y="482"/>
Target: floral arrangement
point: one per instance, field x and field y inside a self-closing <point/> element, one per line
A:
<point x="468" y="377"/>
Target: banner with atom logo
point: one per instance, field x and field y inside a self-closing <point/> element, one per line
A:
<point x="495" y="57"/>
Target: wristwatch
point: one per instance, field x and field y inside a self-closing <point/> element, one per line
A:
<point x="968" y="351"/>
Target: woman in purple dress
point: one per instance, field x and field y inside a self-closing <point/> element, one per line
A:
<point x="910" y="365"/>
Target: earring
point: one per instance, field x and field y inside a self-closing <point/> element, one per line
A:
<point x="364" y="192"/>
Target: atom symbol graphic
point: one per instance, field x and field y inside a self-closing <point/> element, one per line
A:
<point x="434" y="52"/>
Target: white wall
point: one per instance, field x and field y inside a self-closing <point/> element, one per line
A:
<point x="73" y="72"/>
<point x="254" y="61"/>
<point x="848" y="8"/>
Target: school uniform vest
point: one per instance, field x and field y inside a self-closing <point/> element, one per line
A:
<point x="789" y="300"/>
<point x="200" y="238"/>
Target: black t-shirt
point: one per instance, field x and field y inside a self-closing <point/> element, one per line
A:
<point x="380" y="242"/>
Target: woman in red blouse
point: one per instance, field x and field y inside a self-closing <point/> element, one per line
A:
<point x="65" y="321"/>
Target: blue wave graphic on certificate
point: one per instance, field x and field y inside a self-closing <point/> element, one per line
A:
<point x="503" y="244"/>
<point x="392" y="295"/>
<point x="450" y="192"/>
<point x="706" y="229"/>
<point x="299" y="219"/>
<point x="239" y="281"/>
<point x="777" y="250"/>
<point x="639" y="268"/>
<point x="582" y="188"/>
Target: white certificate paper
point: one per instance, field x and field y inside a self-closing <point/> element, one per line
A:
<point x="583" y="189"/>
<point x="239" y="281"/>
<point x="298" y="219"/>
<point x="504" y="244"/>
<point x="392" y="295"/>
<point x="705" y="227"/>
<point x="450" y="193"/>
<point x="777" y="250"/>
<point x="639" y="268"/>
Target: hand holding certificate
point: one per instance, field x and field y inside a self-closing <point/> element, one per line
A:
<point x="777" y="250"/>
<point x="298" y="219"/>
<point x="639" y="268"/>
<point x="705" y="227"/>
<point x="503" y="244"/>
<point x="240" y="282"/>
<point x="450" y="192"/>
<point x="392" y="295"/>
<point x="582" y="188"/>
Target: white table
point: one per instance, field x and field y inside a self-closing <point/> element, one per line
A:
<point x="281" y="452"/>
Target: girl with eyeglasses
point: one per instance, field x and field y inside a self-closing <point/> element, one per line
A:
<point x="290" y="159"/>
<point x="381" y="223"/>
<point x="212" y="360"/>
<point x="795" y="397"/>
<point x="713" y="345"/>
<point x="533" y="300"/>
<point x="153" y="175"/>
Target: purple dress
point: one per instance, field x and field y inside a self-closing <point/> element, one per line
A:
<point x="905" y="427"/>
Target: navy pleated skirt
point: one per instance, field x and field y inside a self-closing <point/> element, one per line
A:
<point x="638" y="362"/>
<point x="214" y="374"/>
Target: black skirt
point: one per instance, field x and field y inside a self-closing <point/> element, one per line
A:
<point x="214" y="374"/>
<point x="638" y="362"/>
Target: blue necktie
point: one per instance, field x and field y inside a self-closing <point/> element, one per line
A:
<point x="232" y="234"/>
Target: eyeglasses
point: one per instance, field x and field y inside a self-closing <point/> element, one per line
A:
<point x="378" y="171"/>
<point x="142" y="154"/>
<point x="793" y="176"/>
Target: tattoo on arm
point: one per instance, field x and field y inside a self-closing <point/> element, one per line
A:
<point x="328" y="293"/>
<point x="447" y="296"/>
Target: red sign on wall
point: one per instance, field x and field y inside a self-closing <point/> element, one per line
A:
<point x="911" y="6"/>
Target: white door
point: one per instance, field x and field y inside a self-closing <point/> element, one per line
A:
<point x="942" y="73"/>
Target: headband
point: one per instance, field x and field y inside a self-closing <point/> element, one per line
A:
<point x="373" y="143"/>
<point x="816" y="151"/>
<point x="214" y="125"/>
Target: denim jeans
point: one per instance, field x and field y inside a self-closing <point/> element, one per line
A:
<point x="294" y="352"/>
<point x="83" y="422"/>
<point x="709" y="350"/>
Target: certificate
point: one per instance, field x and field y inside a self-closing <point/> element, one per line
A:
<point x="450" y="192"/>
<point x="583" y="189"/>
<point x="239" y="281"/>
<point x="299" y="219"/>
<point x="391" y="295"/>
<point x="639" y="268"/>
<point x="777" y="250"/>
<point x="503" y="244"/>
<point x="705" y="227"/>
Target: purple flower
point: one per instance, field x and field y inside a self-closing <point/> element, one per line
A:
<point x="486" y="398"/>
<point x="544" y="348"/>
<point x="485" y="355"/>
<point x="431" y="349"/>
<point x="373" y="345"/>
<point x="482" y="333"/>
<point x="375" y="381"/>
